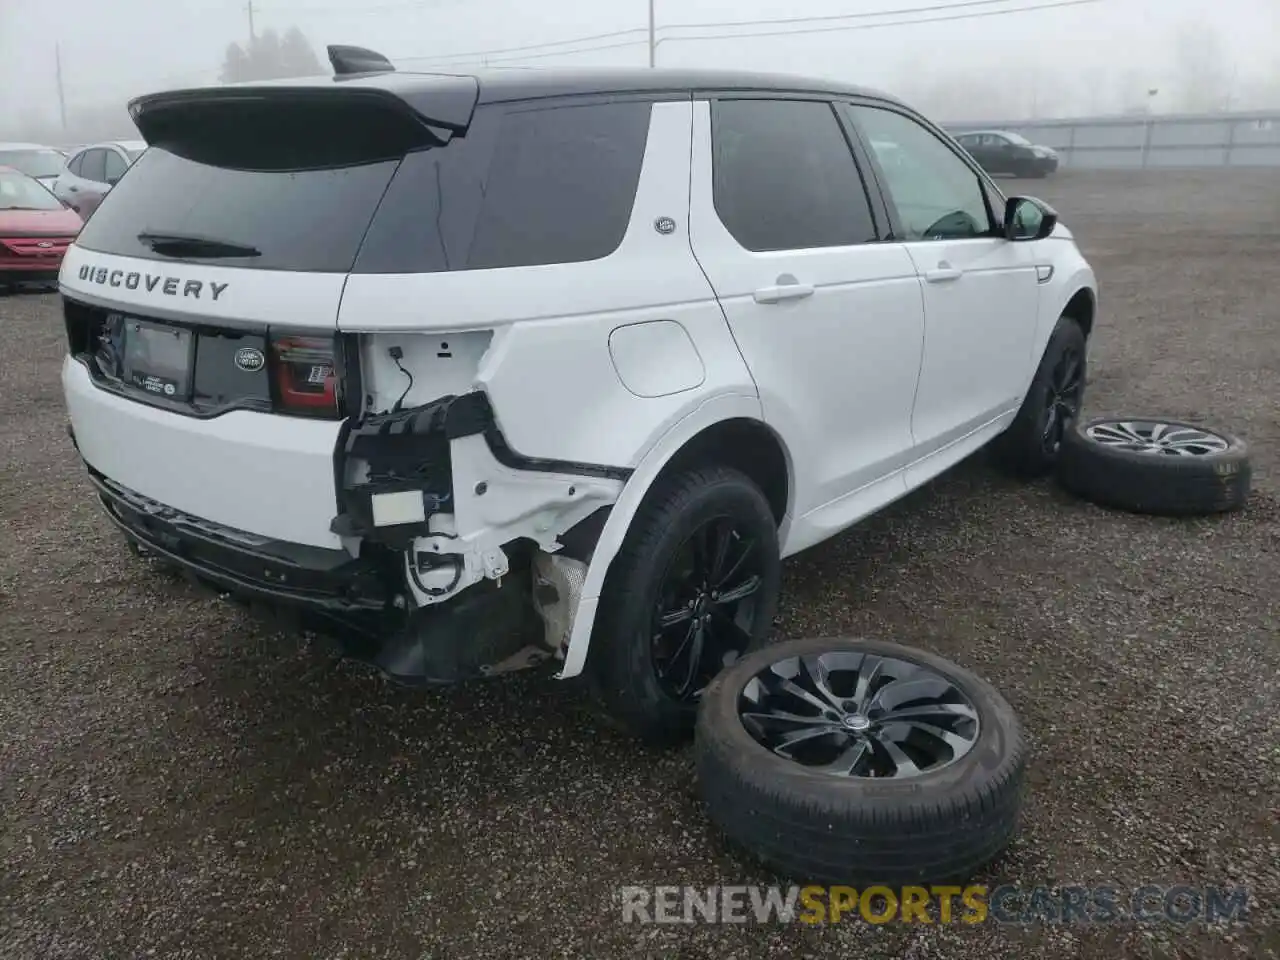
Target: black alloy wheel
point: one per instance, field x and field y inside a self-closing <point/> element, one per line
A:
<point x="694" y="587"/>
<point x="844" y="760"/>
<point x="707" y="606"/>
<point x="1064" y="394"/>
<point x="1030" y="447"/>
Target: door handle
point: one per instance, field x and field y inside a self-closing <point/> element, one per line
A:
<point x="787" y="288"/>
<point x="943" y="273"/>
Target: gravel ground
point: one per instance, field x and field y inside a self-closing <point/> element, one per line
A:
<point x="178" y="780"/>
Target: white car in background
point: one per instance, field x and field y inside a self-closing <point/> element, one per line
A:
<point x="36" y="160"/>
<point x="91" y="171"/>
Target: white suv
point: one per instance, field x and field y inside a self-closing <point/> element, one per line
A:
<point x="551" y="365"/>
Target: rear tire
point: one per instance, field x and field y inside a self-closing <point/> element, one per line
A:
<point x="1030" y="447"/>
<point x="637" y="667"/>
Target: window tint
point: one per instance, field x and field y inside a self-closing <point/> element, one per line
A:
<point x="784" y="177"/>
<point x="93" y="165"/>
<point x="115" y="166"/>
<point x="552" y="184"/>
<point x="308" y="220"/>
<point x="937" y="195"/>
<point x="75" y="164"/>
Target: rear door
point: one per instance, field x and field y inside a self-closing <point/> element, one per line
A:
<point x="828" y="317"/>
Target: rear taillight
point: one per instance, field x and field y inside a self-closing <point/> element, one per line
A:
<point x="306" y="376"/>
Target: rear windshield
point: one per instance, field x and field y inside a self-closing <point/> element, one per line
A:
<point x="528" y="184"/>
<point x="34" y="163"/>
<point x="310" y="220"/>
<point x="18" y="192"/>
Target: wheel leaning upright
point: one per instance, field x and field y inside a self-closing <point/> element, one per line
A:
<point x="694" y="587"/>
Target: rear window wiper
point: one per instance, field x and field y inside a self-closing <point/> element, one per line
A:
<point x="189" y="245"/>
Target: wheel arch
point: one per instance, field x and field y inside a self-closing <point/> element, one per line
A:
<point x="727" y="431"/>
<point x="1082" y="307"/>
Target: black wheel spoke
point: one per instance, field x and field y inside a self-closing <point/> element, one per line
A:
<point x="867" y="675"/>
<point x="850" y="757"/>
<point x="721" y="541"/>
<point x="903" y="766"/>
<point x="747" y="547"/>
<point x="738" y="593"/>
<point x="673" y="618"/>
<point x="930" y="710"/>
<point x="711" y="590"/>
<point x="818" y="674"/>
<point x="789" y="740"/>
<point x="695" y="661"/>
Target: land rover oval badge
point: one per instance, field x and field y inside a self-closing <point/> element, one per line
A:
<point x="250" y="359"/>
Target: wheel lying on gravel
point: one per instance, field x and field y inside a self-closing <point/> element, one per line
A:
<point x="1155" y="466"/>
<point x="860" y="762"/>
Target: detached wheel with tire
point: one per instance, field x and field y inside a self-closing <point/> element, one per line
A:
<point x="1155" y="466"/>
<point x="1030" y="447"/>
<point x="694" y="587"/>
<point x="860" y="762"/>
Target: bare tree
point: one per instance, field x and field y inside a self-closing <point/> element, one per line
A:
<point x="269" y="57"/>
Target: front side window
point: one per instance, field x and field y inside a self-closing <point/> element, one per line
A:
<point x="784" y="176"/>
<point x="937" y="195"/>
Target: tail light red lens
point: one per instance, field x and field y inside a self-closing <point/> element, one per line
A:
<point x="306" y="375"/>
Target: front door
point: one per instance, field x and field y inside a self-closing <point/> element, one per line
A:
<point x="981" y="291"/>
<point x="828" y="319"/>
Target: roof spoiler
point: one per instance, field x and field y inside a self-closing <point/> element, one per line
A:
<point x="348" y="61"/>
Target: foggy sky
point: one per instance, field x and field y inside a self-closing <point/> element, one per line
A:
<point x="119" y="48"/>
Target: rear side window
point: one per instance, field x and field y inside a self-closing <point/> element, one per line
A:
<point x="308" y="220"/>
<point x="76" y="164"/>
<point x="93" y="165"/>
<point x="526" y="186"/>
<point x="784" y="176"/>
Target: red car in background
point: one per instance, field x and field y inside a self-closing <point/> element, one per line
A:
<point x="35" y="230"/>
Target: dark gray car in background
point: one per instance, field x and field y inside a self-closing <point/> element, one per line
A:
<point x="1003" y="151"/>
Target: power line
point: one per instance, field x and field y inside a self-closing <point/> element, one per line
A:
<point x="536" y="46"/>
<point x="487" y="55"/>
<point x="730" y="24"/>
<point x="889" y="23"/>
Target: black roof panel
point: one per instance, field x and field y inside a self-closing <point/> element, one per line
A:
<point x="522" y="84"/>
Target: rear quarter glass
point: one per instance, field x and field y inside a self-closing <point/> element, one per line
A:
<point x="532" y="184"/>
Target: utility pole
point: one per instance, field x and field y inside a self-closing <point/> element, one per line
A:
<point x="253" y="36"/>
<point x="62" y="100"/>
<point x="653" y="47"/>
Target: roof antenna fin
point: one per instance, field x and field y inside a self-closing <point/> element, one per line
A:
<point x="348" y="61"/>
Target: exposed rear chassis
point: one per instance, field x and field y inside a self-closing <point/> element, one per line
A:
<point x="479" y="629"/>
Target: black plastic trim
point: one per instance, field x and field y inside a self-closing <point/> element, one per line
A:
<point x="478" y="411"/>
<point x="315" y="577"/>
